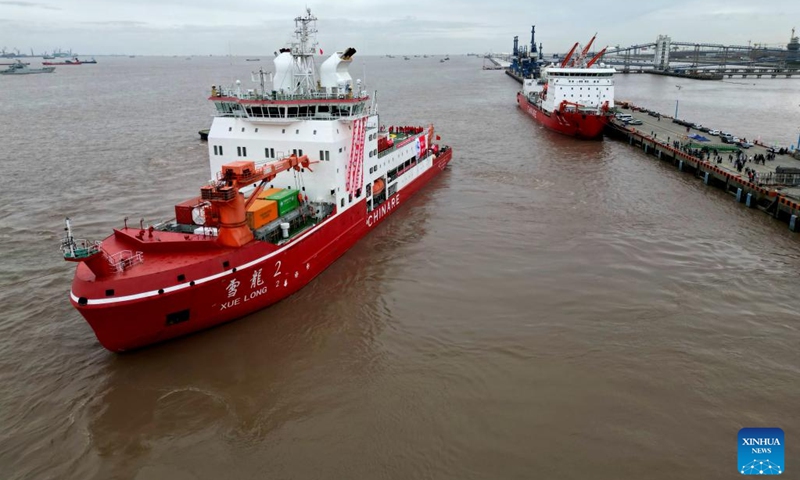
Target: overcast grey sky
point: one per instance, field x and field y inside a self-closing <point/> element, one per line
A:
<point x="248" y="27"/>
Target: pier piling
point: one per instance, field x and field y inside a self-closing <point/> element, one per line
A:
<point x="759" y="190"/>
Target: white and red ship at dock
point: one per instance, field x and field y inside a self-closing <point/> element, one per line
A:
<point x="573" y="98"/>
<point x="313" y="139"/>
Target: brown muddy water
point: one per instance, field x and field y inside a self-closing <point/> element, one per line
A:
<point x="546" y="308"/>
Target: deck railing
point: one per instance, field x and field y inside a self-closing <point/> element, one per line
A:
<point x="124" y="260"/>
<point x="224" y="92"/>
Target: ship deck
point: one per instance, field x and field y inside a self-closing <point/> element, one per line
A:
<point x="168" y="251"/>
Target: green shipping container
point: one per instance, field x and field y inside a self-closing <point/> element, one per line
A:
<point x="286" y="200"/>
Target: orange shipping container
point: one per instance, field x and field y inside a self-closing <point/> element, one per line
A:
<point x="261" y="212"/>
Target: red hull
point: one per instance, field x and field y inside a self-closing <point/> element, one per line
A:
<point x="256" y="276"/>
<point x="574" y="124"/>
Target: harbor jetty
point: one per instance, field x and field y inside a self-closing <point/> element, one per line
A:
<point x="772" y="186"/>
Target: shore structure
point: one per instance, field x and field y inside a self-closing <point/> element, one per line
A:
<point x="772" y="186"/>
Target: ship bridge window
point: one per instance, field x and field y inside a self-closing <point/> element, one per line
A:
<point x="292" y="111"/>
<point x="273" y="112"/>
<point x="322" y="109"/>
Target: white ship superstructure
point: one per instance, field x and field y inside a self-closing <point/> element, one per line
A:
<point x="325" y="115"/>
<point x="589" y="88"/>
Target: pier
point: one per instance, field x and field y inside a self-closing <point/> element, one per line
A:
<point x="775" y="188"/>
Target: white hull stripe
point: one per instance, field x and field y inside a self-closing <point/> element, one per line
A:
<point x="175" y="288"/>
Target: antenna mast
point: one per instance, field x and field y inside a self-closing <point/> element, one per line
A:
<point x="303" y="51"/>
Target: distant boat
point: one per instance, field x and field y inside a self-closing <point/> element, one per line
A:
<point x="89" y="61"/>
<point x="131" y="56"/>
<point x="253" y="59"/>
<point x="48" y="57"/>
<point x="406" y="58"/>
<point x="13" y="63"/>
<point x="20" y="68"/>
<point x="74" y="61"/>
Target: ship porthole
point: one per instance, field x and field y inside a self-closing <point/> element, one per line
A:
<point x="161" y="291"/>
<point x="191" y="284"/>
<point x="83" y="301"/>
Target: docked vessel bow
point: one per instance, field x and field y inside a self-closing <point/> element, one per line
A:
<point x="302" y="169"/>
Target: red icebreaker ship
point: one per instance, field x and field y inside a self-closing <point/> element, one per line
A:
<point x="272" y="218"/>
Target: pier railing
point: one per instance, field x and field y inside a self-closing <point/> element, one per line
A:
<point x="783" y="179"/>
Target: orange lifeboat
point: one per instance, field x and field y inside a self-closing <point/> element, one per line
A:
<point x="378" y="186"/>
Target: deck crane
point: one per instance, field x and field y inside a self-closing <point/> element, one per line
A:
<point x="580" y="59"/>
<point x="228" y="208"/>
<point x="596" y="57"/>
<point x="569" y="55"/>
